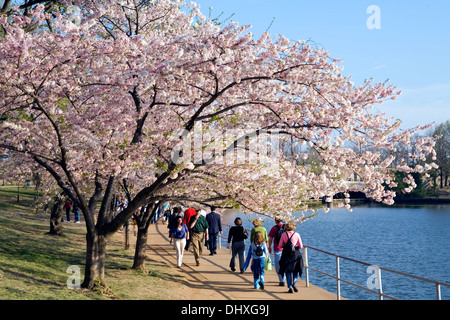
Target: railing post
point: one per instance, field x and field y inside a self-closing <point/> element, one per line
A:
<point x="438" y="291"/>
<point x="380" y="289"/>
<point x="305" y="263"/>
<point x="338" y="278"/>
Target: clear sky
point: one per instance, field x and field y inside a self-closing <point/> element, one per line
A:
<point x="411" y="46"/>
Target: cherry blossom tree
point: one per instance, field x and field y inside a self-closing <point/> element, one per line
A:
<point x="153" y="94"/>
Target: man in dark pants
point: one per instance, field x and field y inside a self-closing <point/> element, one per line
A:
<point x="215" y="227"/>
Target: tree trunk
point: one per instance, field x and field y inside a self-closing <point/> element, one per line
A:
<point x="143" y="222"/>
<point x="56" y="217"/>
<point x="94" y="274"/>
<point x="140" y="251"/>
<point x="127" y="235"/>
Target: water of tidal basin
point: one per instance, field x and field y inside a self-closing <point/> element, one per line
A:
<point x="413" y="239"/>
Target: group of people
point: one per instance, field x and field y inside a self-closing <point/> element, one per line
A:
<point x="286" y="250"/>
<point x="196" y="228"/>
<point x="68" y="206"/>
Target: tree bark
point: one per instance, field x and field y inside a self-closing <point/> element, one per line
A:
<point x="140" y="251"/>
<point x="94" y="274"/>
<point x="143" y="222"/>
<point x="56" y="228"/>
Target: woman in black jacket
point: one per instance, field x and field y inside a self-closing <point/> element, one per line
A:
<point x="236" y="236"/>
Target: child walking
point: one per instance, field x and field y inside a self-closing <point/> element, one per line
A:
<point x="258" y="253"/>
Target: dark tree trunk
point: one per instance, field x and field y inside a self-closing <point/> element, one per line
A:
<point x="143" y="222"/>
<point x="140" y="251"/>
<point x="127" y="235"/>
<point x="56" y="217"/>
<point x="94" y="274"/>
<point x="96" y="241"/>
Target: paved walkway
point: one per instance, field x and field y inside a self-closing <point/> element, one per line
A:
<point x="213" y="279"/>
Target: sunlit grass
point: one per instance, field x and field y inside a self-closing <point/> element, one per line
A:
<point x="33" y="265"/>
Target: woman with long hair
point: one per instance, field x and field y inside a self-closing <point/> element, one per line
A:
<point x="257" y="253"/>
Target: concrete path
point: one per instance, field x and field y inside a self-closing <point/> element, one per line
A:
<point x="213" y="279"/>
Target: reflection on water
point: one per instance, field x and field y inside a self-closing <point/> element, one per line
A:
<point x="413" y="239"/>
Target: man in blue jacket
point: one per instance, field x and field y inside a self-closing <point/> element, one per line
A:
<point x="215" y="227"/>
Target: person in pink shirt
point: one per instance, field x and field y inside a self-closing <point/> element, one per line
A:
<point x="291" y="262"/>
<point x="274" y="238"/>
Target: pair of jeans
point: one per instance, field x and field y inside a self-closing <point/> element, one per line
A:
<point x="213" y="242"/>
<point x="277" y="256"/>
<point x="258" y="271"/>
<point x="77" y="215"/>
<point x="291" y="278"/>
<point x="237" y="248"/>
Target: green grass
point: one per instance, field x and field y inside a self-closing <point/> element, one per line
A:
<point x="33" y="265"/>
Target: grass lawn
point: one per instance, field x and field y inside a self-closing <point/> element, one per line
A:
<point x="33" y="265"/>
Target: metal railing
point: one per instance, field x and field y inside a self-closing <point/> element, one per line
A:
<point x="339" y="280"/>
<point x="377" y="270"/>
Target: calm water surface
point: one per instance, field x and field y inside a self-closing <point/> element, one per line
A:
<point x="413" y="239"/>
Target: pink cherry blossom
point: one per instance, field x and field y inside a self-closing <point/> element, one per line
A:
<point x="125" y="89"/>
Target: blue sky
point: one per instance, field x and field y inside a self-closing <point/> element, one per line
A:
<point x="411" y="47"/>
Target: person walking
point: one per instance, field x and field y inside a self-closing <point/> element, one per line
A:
<point x="199" y="230"/>
<point x="215" y="228"/>
<point x="258" y="227"/>
<point x="167" y="212"/>
<point x="76" y="212"/>
<point x="176" y="212"/>
<point x="291" y="262"/>
<point x="236" y="236"/>
<point x="179" y="233"/>
<point x="274" y="238"/>
<point x="188" y="214"/>
<point x="68" y="206"/>
<point x="257" y="252"/>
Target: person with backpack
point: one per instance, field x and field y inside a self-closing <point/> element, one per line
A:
<point x="274" y="238"/>
<point x="291" y="261"/>
<point x="257" y="252"/>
